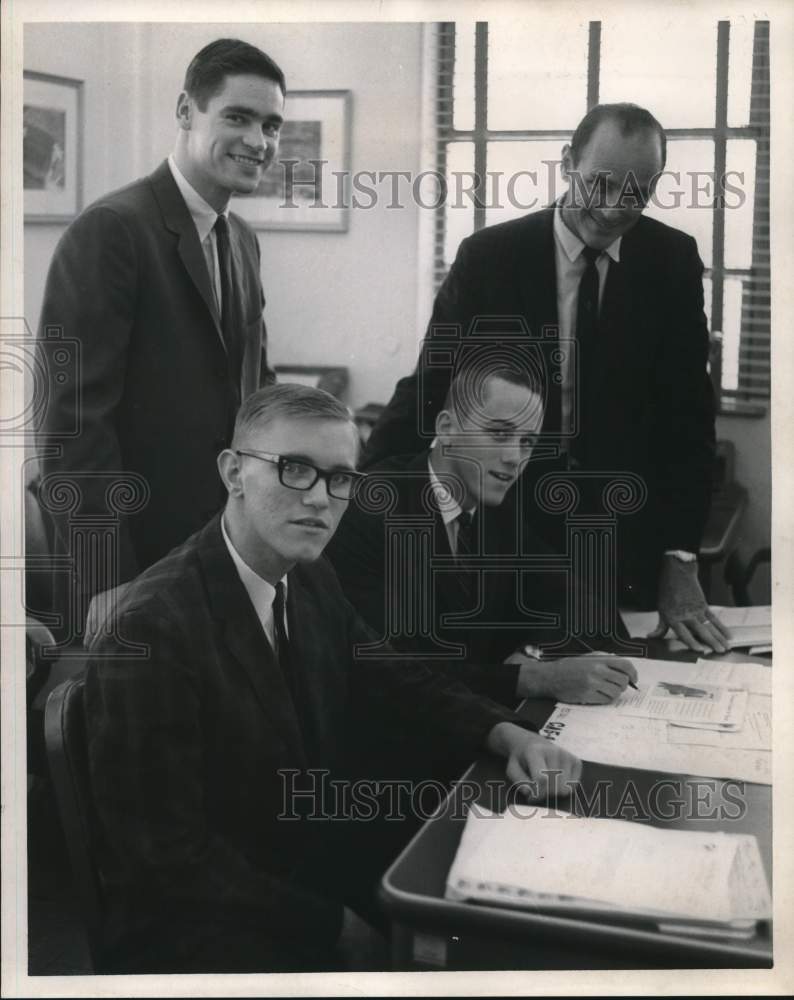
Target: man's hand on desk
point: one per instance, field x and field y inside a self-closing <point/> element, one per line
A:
<point x="683" y="607"/>
<point x="583" y="680"/>
<point x="531" y="758"/>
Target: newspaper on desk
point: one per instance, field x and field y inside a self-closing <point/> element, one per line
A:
<point x="606" y="735"/>
<point x="699" y="704"/>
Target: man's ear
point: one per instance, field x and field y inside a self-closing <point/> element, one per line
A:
<point x="445" y="426"/>
<point x="230" y="468"/>
<point x="184" y="111"/>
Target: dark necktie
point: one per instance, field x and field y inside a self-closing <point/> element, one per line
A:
<point x="229" y="327"/>
<point x="290" y="670"/>
<point x="587" y="343"/>
<point x="465" y="542"/>
<point x="464" y="548"/>
<point x="280" y="630"/>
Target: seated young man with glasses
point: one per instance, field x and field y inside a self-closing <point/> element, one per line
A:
<point x="247" y="679"/>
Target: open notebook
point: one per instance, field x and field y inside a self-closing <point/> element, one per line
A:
<point x="683" y="881"/>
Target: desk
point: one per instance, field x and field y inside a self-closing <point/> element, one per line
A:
<point x="429" y="932"/>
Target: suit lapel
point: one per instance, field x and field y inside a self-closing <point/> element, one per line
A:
<point x="315" y="678"/>
<point x="178" y="220"/>
<point x="450" y="592"/>
<point x="537" y="278"/>
<point x="536" y="271"/>
<point x="624" y="345"/>
<point x="244" y="638"/>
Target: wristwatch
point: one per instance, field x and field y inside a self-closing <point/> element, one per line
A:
<point x="682" y="555"/>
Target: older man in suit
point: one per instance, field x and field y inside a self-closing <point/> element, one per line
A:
<point x="491" y="621"/>
<point x="248" y="677"/>
<point x="635" y="394"/>
<point x="159" y="284"/>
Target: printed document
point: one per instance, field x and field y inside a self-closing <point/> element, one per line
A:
<point x="529" y="857"/>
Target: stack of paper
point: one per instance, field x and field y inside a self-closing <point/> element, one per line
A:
<point x="707" y="719"/>
<point x="689" y="881"/>
<point x="749" y="627"/>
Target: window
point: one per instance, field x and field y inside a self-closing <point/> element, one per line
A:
<point x="509" y="95"/>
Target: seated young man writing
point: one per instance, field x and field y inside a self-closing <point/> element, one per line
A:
<point x="468" y="581"/>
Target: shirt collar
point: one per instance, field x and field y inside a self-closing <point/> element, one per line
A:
<point x="448" y="506"/>
<point x="571" y="243"/>
<point x="202" y="213"/>
<point x="259" y="590"/>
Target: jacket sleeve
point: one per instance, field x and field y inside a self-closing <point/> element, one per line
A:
<point x="684" y="431"/>
<point x="90" y="297"/>
<point x="409" y="695"/>
<point x="358" y="554"/>
<point x="267" y="375"/>
<point x="145" y="722"/>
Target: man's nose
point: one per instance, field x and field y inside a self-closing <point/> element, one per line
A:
<point x="317" y="496"/>
<point x="253" y="137"/>
<point x="511" y="454"/>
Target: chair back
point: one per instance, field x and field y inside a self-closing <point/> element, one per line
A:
<point x="67" y="753"/>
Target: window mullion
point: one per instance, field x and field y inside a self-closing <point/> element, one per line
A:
<point x="480" y="121"/>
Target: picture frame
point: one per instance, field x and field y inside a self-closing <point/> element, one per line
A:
<point x="306" y="187"/>
<point x="52" y="147"/>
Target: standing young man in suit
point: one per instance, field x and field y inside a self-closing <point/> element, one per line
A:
<point x="159" y="284"/>
<point x="250" y="679"/>
<point x="455" y="492"/>
<point x="628" y="291"/>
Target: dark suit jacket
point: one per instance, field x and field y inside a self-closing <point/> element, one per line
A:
<point x="185" y="744"/>
<point x="379" y="590"/>
<point x="157" y="397"/>
<point x="655" y="411"/>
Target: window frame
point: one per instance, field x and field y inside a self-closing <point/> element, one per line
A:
<point x="746" y="398"/>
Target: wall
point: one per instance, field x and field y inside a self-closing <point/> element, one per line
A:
<point x="333" y="298"/>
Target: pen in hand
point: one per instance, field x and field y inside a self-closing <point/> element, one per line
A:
<point x="631" y="682"/>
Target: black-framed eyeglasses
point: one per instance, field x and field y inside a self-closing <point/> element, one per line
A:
<point x="300" y="475"/>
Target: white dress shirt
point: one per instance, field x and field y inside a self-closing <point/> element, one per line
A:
<point x="571" y="266"/>
<point x="204" y="216"/>
<point x="448" y="507"/>
<point x="261" y="592"/>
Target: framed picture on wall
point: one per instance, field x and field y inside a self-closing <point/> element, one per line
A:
<point x="52" y="122"/>
<point x="306" y="188"/>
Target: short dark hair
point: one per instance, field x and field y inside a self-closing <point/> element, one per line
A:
<point x="227" y="57"/>
<point x="291" y="400"/>
<point x="467" y="389"/>
<point x="629" y="118"/>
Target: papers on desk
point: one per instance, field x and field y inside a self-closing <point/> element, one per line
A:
<point x="755" y="734"/>
<point x="611" y="734"/>
<point x="687" y="881"/>
<point x="753" y="677"/>
<point x="748" y="626"/>
<point x="707" y="705"/>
